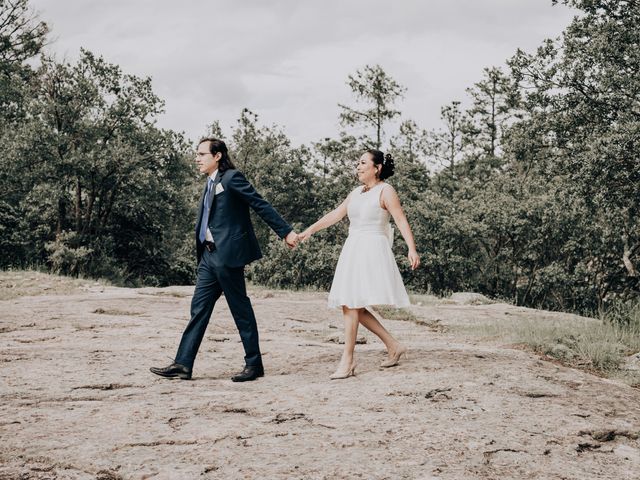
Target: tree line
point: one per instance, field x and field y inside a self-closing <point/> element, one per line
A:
<point x="530" y="192"/>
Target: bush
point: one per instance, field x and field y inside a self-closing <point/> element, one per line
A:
<point x="66" y="257"/>
<point x="624" y="314"/>
<point x="11" y="236"/>
<point x="311" y="264"/>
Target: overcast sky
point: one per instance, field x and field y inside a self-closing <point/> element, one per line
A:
<point x="288" y="60"/>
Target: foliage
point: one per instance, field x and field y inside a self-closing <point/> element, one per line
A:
<point x="582" y="98"/>
<point x="22" y="37"/>
<point x="531" y="194"/>
<point x="96" y="183"/>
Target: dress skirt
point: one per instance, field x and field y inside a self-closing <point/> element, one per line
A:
<point x="367" y="273"/>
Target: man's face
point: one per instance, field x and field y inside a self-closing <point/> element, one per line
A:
<point x="206" y="161"/>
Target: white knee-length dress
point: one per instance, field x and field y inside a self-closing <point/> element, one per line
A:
<point x="367" y="273"/>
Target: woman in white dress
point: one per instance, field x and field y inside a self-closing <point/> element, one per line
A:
<point x="367" y="273"/>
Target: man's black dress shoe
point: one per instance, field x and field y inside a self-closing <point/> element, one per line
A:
<point x="249" y="373"/>
<point x="172" y="371"/>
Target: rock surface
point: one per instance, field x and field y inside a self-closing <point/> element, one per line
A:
<point x="469" y="298"/>
<point x="78" y="400"/>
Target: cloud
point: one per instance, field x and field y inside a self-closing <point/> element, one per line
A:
<point x="288" y="60"/>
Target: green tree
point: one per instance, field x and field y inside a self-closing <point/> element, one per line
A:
<point x="335" y="161"/>
<point x="22" y="36"/>
<point x="379" y="92"/>
<point x="100" y="189"/>
<point x="496" y="99"/>
<point x="278" y="171"/>
<point x="582" y="97"/>
<point x="410" y="141"/>
<point x="445" y="147"/>
<point x="412" y="182"/>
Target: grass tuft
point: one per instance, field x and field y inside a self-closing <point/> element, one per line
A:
<point x="595" y="345"/>
<point x="392" y="313"/>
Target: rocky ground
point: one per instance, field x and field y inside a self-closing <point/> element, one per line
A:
<point x="78" y="401"/>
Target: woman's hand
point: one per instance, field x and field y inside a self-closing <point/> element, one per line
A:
<point x="304" y="236"/>
<point x="414" y="259"/>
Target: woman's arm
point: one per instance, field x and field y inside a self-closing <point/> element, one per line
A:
<point x="331" y="218"/>
<point x="391" y="202"/>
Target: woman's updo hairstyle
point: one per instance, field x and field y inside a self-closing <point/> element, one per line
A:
<point x="386" y="161"/>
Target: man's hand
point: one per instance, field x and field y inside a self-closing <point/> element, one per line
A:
<point x="291" y="239"/>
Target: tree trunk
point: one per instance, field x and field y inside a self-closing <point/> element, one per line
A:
<point x="78" y="206"/>
<point x="62" y="212"/>
<point x="626" y="257"/>
<point x="493" y="122"/>
<point x="110" y="203"/>
<point x="378" y="128"/>
<point x="90" y="203"/>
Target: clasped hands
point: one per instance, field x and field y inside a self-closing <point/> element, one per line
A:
<point x="293" y="238"/>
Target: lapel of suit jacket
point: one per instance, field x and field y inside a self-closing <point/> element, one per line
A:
<point x="216" y="181"/>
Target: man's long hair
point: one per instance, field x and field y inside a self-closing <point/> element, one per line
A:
<point x="215" y="146"/>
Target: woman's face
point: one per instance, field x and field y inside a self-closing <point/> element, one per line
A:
<point x="366" y="169"/>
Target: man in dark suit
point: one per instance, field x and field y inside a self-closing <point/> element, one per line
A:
<point x="225" y="242"/>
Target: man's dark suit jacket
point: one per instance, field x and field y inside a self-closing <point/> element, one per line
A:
<point x="230" y="222"/>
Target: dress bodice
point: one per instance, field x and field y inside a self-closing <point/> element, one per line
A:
<point x="365" y="213"/>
